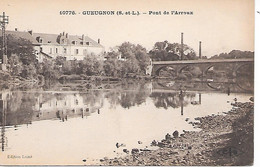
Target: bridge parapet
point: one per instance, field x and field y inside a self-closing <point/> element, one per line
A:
<point x="201" y="61"/>
<point x="204" y="65"/>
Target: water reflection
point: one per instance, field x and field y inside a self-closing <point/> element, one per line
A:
<point x="231" y="86"/>
<point x="64" y="105"/>
<point x="19" y="108"/>
<point x="133" y="94"/>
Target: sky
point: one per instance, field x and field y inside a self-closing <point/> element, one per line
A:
<point x="221" y="25"/>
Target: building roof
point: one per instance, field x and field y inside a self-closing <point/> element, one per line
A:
<point x="52" y="38"/>
<point x="21" y="34"/>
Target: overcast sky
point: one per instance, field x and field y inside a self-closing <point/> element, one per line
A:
<point x="221" y="25"/>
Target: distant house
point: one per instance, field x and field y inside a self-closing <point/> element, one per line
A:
<point x="72" y="47"/>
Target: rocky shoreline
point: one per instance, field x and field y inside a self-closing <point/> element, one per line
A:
<point x="223" y="140"/>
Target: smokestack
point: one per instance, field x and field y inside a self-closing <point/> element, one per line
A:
<point x="98" y="41"/>
<point x="200" y="49"/>
<point x="83" y="39"/>
<point x="182" y="46"/>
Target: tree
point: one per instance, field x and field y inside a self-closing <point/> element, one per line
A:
<point x="67" y="67"/>
<point x="92" y="66"/>
<point x="136" y="55"/>
<point x="234" y="54"/>
<point x="22" y="48"/>
<point x="165" y="51"/>
<point x="29" y="71"/>
<point x="131" y="65"/>
<point x="49" y="69"/>
<point x="21" y="57"/>
<point x="15" y="65"/>
<point x="112" y="66"/>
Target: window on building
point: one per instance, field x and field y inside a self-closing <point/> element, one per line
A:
<point x="40" y="49"/>
<point x="50" y="50"/>
<point x="87" y="43"/>
<point x="76" y="51"/>
<point x="64" y="50"/>
<point x="56" y="50"/>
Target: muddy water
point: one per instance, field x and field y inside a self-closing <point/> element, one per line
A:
<point x="67" y="127"/>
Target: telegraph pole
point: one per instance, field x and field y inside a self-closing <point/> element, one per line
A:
<point x="3" y="21"/>
<point x="182" y="46"/>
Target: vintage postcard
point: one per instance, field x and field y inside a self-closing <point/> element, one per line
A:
<point x="126" y="83"/>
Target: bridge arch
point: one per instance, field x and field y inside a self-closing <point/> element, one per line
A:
<point x="240" y="66"/>
<point x="219" y="85"/>
<point x="204" y="65"/>
<point x="157" y="70"/>
<point x="182" y="68"/>
<point x="208" y="67"/>
<point x="244" y="83"/>
<point x="203" y="68"/>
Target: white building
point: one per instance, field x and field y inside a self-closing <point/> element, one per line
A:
<point x="71" y="47"/>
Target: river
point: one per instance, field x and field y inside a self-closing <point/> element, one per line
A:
<point x="64" y="125"/>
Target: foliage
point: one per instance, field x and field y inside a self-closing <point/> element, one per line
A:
<point x="128" y="59"/>
<point x="49" y="69"/>
<point x="29" y="71"/>
<point x="165" y="51"/>
<point x="234" y="54"/>
<point x="21" y="58"/>
<point x="246" y="71"/>
<point x="22" y="48"/>
<point x="15" y="65"/>
<point x="125" y="60"/>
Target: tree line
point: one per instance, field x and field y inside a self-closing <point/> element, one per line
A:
<point x="125" y="60"/>
<point x="22" y="62"/>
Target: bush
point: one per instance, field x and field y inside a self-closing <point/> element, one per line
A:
<point x="4" y="76"/>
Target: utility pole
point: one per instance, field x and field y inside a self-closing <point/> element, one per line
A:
<point x="182" y="46"/>
<point x="3" y="21"/>
<point x="200" y="49"/>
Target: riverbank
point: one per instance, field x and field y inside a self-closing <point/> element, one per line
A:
<point x="223" y="140"/>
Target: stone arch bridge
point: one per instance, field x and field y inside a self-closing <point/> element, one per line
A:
<point x="203" y="64"/>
